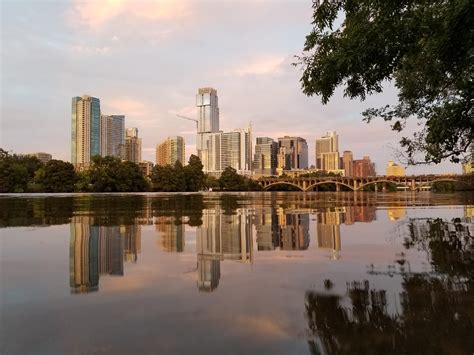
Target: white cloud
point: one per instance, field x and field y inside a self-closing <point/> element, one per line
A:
<point x="261" y="65"/>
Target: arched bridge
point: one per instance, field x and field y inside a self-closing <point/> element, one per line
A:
<point x="412" y="183"/>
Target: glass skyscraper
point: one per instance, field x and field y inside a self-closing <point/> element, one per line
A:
<point x="85" y="129"/>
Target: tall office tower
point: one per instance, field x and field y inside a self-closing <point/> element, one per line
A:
<point x="265" y="157"/>
<point x="327" y="144"/>
<point x="208" y="113"/>
<point x="112" y="133"/>
<point x="236" y="150"/>
<point x="131" y="150"/>
<point x="83" y="255"/>
<point x="170" y="151"/>
<point x="348" y="163"/>
<point x="292" y="153"/>
<point x="364" y="167"/>
<point x="394" y="169"/>
<point x="85" y="130"/>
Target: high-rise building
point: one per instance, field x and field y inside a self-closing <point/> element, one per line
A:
<point x="364" y="167"/>
<point x="329" y="230"/>
<point x="327" y="144"/>
<point x="265" y="157"/>
<point x="292" y="153"/>
<point x="170" y="151"/>
<point x="41" y="156"/>
<point x="85" y="130"/>
<point x="131" y="150"/>
<point x="394" y="169"/>
<point x="172" y="232"/>
<point x="236" y="150"/>
<point x="216" y="149"/>
<point x="208" y="122"/>
<point x="348" y="163"/>
<point x="112" y="133"/>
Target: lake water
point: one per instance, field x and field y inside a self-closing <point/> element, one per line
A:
<point x="244" y="273"/>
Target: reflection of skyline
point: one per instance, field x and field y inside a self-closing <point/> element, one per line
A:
<point x="277" y="229"/>
<point x="171" y="232"/>
<point x="328" y="228"/>
<point x="221" y="237"/>
<point x="99" y="250"/>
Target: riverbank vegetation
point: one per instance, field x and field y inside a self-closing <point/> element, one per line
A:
<point x="23" y="173"/>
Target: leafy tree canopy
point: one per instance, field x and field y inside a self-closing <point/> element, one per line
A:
<point x="56" y="176"/>
<point x="424" y="46"/>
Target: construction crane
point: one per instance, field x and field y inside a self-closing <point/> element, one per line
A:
<point x="190" y="119"/>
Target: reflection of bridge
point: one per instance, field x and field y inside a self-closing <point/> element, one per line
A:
<point x="412" y="183"/>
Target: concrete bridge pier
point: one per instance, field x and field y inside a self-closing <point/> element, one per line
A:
<point x="338" y="187"/>
<point x="384" y="187"/>
<point x="376" y="187"/>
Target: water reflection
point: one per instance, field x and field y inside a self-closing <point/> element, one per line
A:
<point x="99" y="250"/>
<point x="434" y="308"/>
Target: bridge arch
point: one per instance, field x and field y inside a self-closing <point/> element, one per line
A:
<point x="328" y="182"/>
<point x="398" y="183"/>
<point x="282" y="183"/>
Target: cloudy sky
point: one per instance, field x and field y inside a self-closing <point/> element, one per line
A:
<point x="146" y="59"/>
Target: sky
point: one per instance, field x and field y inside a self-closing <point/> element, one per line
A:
<point x="146" y="60"/>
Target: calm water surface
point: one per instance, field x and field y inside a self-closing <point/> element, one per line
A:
<point x="249" y="273"/>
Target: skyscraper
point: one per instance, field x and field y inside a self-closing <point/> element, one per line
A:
<point x="85" y="130"/>
<point x="236" y="150"/>
<point x="216" y="149"/>
<point x="265" y="157"/>
<point x="208" y="113"/>
<point x="131" y="150"/>
<point x="292" y="153"/>
<point x="348" y="163"/>
<point x="327" y="144"/>
<point x="170" y="151"/>
<point x="112" y="132"/>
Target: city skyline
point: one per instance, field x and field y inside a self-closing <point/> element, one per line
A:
<point x="78" y="46"/>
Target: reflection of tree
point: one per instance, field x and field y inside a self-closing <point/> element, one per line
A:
<point x="436" y="315"/>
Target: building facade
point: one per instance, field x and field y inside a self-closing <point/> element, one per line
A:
<point x="85" y="130"/>
<point x="327" y="152"/>
<point x="265" y="158"/>
<point x="112" y="134"/>
<point x="292" y="153"/>
<point x="131" y="150"/>
<point x="42" y="157"/>
<point x="364" y="167"/>
<point x="394" y="169"/>
<point x="207" y="104"/>
<point x="348" y="163"/>
<point x="170" y="151"/>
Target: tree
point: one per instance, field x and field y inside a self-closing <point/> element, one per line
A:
<point x="230" y="180"/>
<point x="109" y="174"/>
<point x="425" y="47"/>
<point x="56" y="176"/>
<point x="168" y="178"/>
<point x="193" y="174"/>
<point x="16" y="171"/>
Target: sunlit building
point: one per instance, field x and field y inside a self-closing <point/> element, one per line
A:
<point x="85" y="130"/>
<point x="112" y="134"/>
<point x="329" y="230"/>
<point x="217" y="149"/>
<point x="170" y="151"/>
<point x="394" y="169"/>
<point x="348" y="163"/>
<point x="265" y="157"/>
<point x="364" y="167"/>
<point x="292" y="153"/>
<point x="131" y="150"/>
<point x="327" y="152"/>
